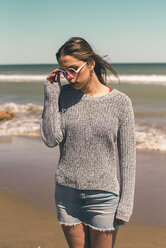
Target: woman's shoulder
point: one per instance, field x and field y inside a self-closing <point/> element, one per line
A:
<point x="124" y="105"/>
<point x="122" y="98"/>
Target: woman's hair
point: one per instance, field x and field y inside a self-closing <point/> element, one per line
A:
<point x="80" y="49"/>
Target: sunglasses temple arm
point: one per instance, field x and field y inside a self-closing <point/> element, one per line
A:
<point x="81" y="67"/>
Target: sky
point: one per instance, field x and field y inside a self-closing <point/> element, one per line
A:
<point x="128" y="31"/>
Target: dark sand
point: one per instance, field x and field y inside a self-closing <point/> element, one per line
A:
<point x="27" y="168"/>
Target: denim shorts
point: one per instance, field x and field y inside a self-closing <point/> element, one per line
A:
<point x="94" y="208"/>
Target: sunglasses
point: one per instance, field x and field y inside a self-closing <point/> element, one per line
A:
<point x="71" y="72"/>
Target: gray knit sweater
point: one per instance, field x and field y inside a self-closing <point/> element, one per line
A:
<point x="87" y="129"/>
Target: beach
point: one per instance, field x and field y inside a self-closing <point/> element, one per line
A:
<point x="28" y="217"/>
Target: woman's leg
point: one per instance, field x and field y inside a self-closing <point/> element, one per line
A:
<point x="77" y="236"/>
<point x="100" y="239"/>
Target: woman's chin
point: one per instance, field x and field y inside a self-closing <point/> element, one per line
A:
<point x="74" y="84"/>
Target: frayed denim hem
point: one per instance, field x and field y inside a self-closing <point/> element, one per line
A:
<point x="70" y="225"/>
<point x="100" y="229"/>
<point x="93" y="227"/>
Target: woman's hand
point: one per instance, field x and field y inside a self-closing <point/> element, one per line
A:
<point x="54" y="76"/>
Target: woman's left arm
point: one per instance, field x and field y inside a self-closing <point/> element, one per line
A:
<point x="126" y="143"/>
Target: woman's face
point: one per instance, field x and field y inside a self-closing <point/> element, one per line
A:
<point x="84" y="75"/>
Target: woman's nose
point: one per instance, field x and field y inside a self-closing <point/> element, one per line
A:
<point x="70" y="79"/>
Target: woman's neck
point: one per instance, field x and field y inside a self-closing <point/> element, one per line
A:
<point x="94" y="87"/>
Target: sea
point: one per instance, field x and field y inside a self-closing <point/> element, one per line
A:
<point x="21" y="91"/>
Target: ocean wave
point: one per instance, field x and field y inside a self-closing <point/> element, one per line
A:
<point x="132" y="79"/>
<point x="150" y="137"/>
<point x="27" y="122"/>
<point x="22" y="78"/>
<point x="140" y="79"/>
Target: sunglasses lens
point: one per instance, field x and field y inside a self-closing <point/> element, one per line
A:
<point x="61" y="74"/>
<point x="71" y="73"/>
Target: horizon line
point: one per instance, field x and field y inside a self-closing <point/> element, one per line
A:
<point x="109" y="63"/>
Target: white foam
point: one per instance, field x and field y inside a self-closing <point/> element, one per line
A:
<point x="150" y="138"/>
<point x="26" y="121"/>
<point x="20" y="108"/>
<point x="22" y="78"/>
<point x="140" y="79"/>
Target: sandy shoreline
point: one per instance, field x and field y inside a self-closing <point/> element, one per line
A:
<point x="27" y="169"/>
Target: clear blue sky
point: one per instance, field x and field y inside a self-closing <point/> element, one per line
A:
<point x="31" y="31"/>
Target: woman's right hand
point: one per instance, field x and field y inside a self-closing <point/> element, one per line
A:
<point x="54" y="76"/>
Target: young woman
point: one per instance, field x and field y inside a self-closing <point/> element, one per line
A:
<point x="89" y="121"/>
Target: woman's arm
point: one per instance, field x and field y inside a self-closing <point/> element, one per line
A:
<point x="51" y="127"/>
<point x="126" y="144"/>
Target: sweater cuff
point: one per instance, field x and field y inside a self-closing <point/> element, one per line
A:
<point x="122" y="216"/>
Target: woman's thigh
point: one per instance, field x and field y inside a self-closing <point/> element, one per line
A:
<point x="77" y="236"/>
<point x="82" y="236"/>
<point x="102" y="239"/>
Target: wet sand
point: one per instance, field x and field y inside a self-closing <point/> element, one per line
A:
<point x="27" y="169"/>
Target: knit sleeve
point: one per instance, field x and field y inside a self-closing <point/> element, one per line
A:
<point x="126" y="144"/>
<point x="51" y="128"/>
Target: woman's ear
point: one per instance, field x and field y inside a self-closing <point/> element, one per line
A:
<point x="91" y="64"/>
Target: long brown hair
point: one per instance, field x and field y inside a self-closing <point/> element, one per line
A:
<point x="80" y="49"/>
